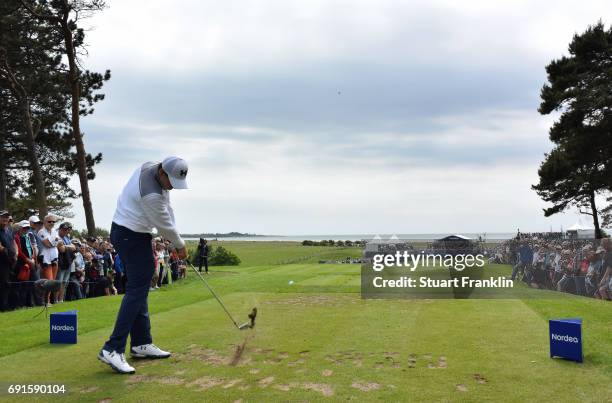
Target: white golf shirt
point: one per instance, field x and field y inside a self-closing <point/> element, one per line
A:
<point x="144" y="204"/>
<point x="49" y="254"/>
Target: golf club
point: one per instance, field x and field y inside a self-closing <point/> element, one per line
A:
<point x="252" y="315"/>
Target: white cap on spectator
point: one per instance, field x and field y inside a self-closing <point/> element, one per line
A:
<point x="23" y="224"/>
<point x="34" y="219"/>
<point x="176" y="168"/>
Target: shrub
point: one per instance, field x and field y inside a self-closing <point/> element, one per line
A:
<point x="219" y="256"/>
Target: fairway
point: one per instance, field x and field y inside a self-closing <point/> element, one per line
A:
<point x="316" y="339"/>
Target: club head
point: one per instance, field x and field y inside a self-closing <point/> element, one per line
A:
<point x="252" y="317"/>
<point x="251" y="323"/>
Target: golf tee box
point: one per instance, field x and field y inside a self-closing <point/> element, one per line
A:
<point x="63" y="327"/>
<point x="565" y="337"/>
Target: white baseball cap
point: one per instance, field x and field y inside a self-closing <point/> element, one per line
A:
<point x="34" y="219"/>
<point x="176" y="168"/>
<point x="23" y="224"/>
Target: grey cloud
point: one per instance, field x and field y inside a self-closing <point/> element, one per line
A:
<point x="338" y="99"/>
<point x="268" y="108"/>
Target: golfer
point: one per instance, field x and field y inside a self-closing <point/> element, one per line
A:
<point x="144" y="204"/>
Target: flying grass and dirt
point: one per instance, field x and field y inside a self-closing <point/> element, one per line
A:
<point x="316" y="339"/>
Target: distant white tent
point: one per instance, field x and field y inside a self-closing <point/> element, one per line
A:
<point x="580" y="231"/>
<point x="579" y="227"/>
<point x="372" y="246"/>
<point x="393" y="238"/>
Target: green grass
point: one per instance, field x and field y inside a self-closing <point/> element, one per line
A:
<point x="253" y="253"/>
<point x="317" y="340"/>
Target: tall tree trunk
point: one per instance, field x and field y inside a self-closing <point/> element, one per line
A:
<point x="37" y="177"/>
<point x="73" y="79"/>
<point x="595" y="217"/>
<point x="3" y="198"/>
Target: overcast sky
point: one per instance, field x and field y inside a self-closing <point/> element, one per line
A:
<point x="332" y="117"/>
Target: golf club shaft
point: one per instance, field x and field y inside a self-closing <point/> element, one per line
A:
<point x="214" y="294"/>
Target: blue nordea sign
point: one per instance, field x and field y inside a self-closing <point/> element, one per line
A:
<point x="566" y="338"/>
<point x="63" y="327"/>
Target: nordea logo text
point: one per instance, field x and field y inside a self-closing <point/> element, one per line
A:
<point x="559" y="337"/>
<point x="64" y="328"/>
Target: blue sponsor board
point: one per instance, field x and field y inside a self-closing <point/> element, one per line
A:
<point x="566" y="339"/>
<point x="63" y="327"/>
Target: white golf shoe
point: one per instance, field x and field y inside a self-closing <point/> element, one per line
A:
<point x="148" y="351"/>
<point x="116" y="361"/>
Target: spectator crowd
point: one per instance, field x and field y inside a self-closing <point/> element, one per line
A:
<point x="36" y="249"/>
<point x="581" y="267"/>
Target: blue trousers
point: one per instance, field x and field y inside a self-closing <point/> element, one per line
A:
<point x="136" y="253"/>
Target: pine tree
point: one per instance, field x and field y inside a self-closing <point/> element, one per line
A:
<point x="32" y="80"/>
<point x="580" y="87"/>
<point x="63" y="16"/>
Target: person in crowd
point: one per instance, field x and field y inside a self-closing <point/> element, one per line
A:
<point x="548" y="266"/>
<point x="202" y="254"/>
<point x="25" y="263"/>
<point x="97" y="280"/>
<point x="166" y="278"/>
<point x="525" y="256"/>
<point x="36" y="242"/>
<point x="594" y="271"/>
<point x="83" y="274"/>
<point x="161" y="255"/>
<point x="50" y="239"/>
<point x="566" y="283"/>
<point x="174" y="261"/>
<point x="105" y="251"/>
<point x="182" y="267"/>
<point x="557" y="267"/>
<point x="581" y="267"/>
<point x="156" y="269"/>
<point x="65" y="257"/>
<point x="8" y="258"/>
<point x="92" y="243"/>
<point x="605" y="285"/>
<point x="605" y="288"/>
<point x="111" y="289"/>
<point x="120" y="277"/>
<point x="531" y="274"/>
<point x="77" y="271"/>
<point x="539" y="267"/>
<point x="92" y="274"/>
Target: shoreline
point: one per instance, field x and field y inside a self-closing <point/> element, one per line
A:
<point x="489" y="238"/>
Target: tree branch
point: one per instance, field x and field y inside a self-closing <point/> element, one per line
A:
<point x="7" y="72"/>
<point x="52" y="18"/>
